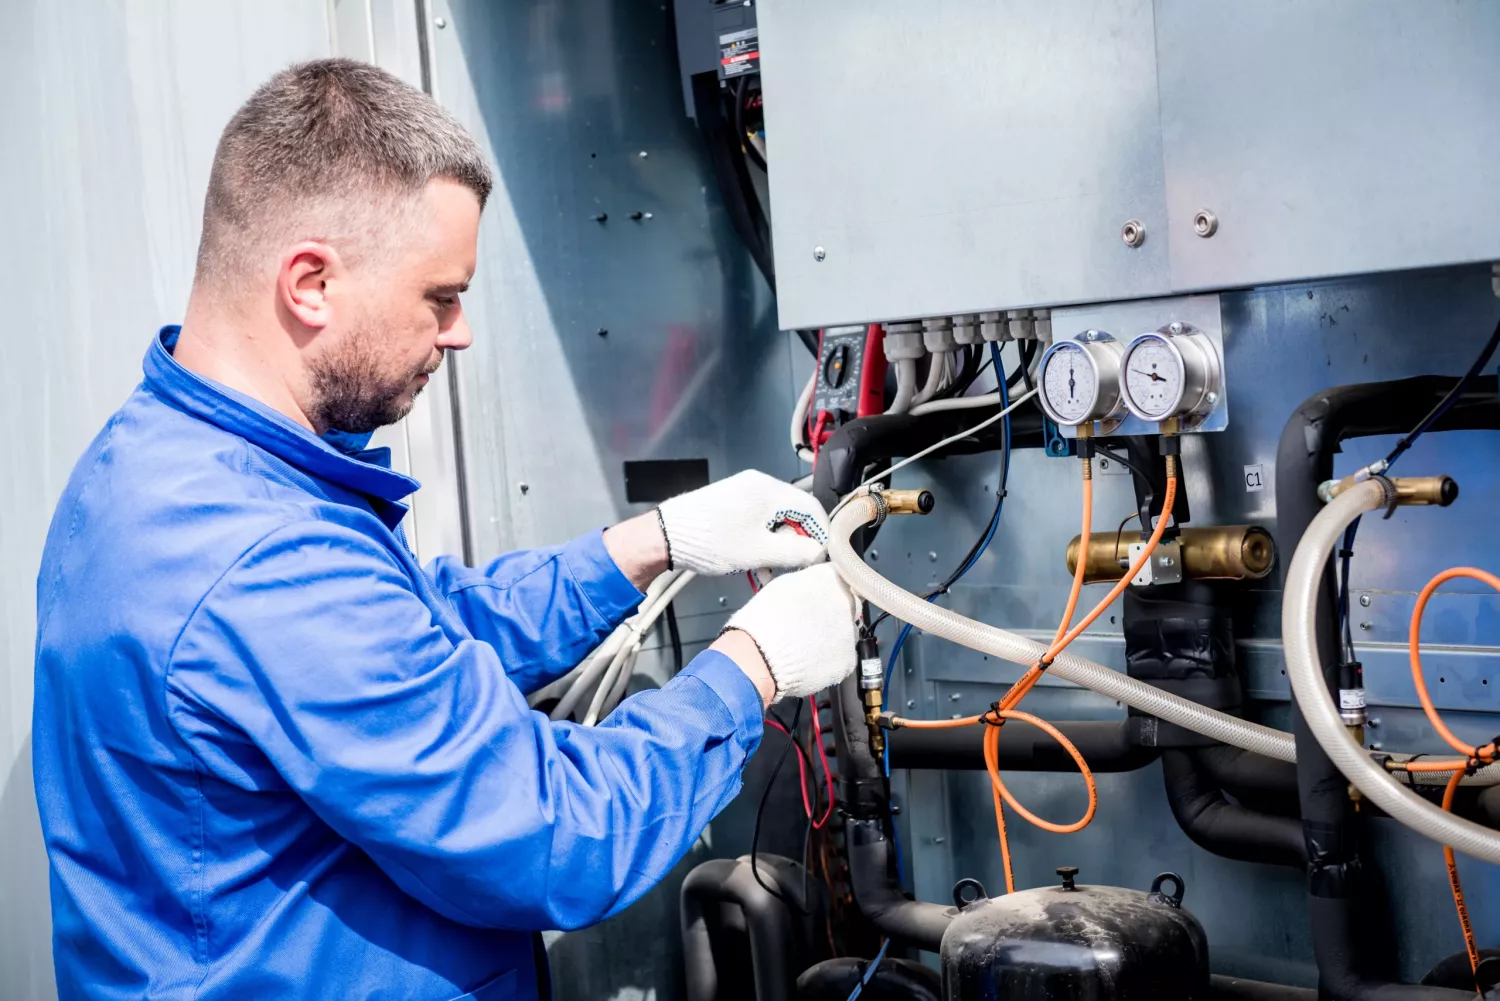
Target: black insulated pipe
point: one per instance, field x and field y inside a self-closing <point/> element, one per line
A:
<point x="836" y="980"/>
<point x="776" y="936"/>
<point x="1107" y="745"/>
<point x="1304" y="459"/>
<point x="1224" y="828"/>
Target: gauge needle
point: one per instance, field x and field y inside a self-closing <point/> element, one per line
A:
<point x="1150" y="375"/>
<point x="1071" y="383"/>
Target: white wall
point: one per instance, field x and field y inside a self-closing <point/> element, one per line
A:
<point x="109" y="113"/>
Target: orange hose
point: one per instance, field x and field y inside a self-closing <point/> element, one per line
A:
<point x="1475" y="754"/>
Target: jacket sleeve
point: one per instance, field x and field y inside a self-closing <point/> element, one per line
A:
<point x="412" y="743"/>
<point x="543" y="610"/>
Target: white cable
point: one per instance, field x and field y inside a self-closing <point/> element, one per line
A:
<point x="906" y="386"/>
<point x="1305" y="671"/>
<point x="636" y="628"/>
<point x="937" y="374"/>
<point x="799" y="420"/>
<point x="957" y="403"/>
<point x="939" y="621"/>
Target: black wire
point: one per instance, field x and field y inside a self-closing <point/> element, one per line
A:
<point x="675" y="637"/>
<point x="1433" y="416"/>
<point x="765" y="797"/>
<point x="1027" y="352"/>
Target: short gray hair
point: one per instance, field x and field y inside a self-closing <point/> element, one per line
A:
<point x="320" y="150"/>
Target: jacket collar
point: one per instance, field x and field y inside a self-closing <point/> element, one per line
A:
<point x="338" y="457"/>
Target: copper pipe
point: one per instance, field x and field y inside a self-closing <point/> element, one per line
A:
<point x="1232" y="552"/>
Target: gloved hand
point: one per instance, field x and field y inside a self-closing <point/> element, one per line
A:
<point x="804" y="625"/>
<point x="730" y="526"/>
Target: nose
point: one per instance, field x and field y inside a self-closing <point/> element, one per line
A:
<point x="457" y="335"/>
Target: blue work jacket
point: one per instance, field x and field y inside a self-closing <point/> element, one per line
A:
<point x="276" y="758"/>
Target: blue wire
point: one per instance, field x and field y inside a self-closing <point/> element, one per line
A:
<point x="870" y="970"/>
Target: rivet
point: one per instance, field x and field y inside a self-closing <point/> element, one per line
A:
<point x="1364" y="600"/>
<point x="601" y="217"/>
<point x="723" y="601"/>
<point x="874" y="554"/>
<point x="1205" y="223"/>
<point x="938" y="840"/>
<point x="1175" y="327"/>
<point x="1210" y="397"/>
<point x="1133" y="233"/>
<point x="1366" y="626"/>
<point x="525" y="487"/>
<point x="819" y="253"/>
<point x="932" y="557"/>
<point x="911" y="703"/>
<point x="603" y="331"/>
<point x="637" y="216"/>
<point x="441" y="22"/>
<point x="954" y="697"/>
<point x="644" y="154"/>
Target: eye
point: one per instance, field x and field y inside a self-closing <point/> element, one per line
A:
<point x="446" y="301"/>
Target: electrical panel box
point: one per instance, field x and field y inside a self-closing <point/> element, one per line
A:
<point x="718" y="36"/>
<point x="935" y="159"/>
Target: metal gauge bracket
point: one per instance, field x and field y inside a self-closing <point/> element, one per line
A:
<point x="1057" y="445"/>
<point x="1198" y="313"/>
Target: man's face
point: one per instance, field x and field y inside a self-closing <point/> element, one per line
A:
<point x="398" y="311"/>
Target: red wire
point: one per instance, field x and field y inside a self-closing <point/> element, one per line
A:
<point x="817" y="435"/>
<point x="801" y="768"/>
<point x="823" y="756"/>
<point x="754" y="584"/>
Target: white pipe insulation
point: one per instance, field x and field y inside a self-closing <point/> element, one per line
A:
<point x="1305" y="670"/>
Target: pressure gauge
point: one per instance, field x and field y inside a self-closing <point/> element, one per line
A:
<point x="1172" y="372"/>
<point x="1080" y="379"/>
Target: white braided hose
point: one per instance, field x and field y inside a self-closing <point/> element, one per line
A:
<point x="1305" y="670"/>
<point x="939" y="621"/>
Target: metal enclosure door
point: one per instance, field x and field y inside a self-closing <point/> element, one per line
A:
<point x="953" y="157"/>
<point x="1329" y="138"/>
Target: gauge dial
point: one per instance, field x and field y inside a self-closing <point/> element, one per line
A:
<point x="1080" y="379"/>
<point x="1168" y="375"/>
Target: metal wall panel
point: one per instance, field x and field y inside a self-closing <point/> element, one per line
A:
<point x="961" y="156"/>
<point x="1282" y="344"/>
<point x="580" y="106"/>
<point x="1335" y="137"/>
<point x="109" y="115"/>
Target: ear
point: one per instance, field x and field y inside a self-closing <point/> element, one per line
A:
<point x="302" y="282"/>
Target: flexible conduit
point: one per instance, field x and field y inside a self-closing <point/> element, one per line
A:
<point x="1305" y="671"/>
<point x="871" y="586"/>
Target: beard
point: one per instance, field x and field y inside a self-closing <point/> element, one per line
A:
<point x="353" y="391"/>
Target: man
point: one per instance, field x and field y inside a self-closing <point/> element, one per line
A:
<point x="274" y="757"/>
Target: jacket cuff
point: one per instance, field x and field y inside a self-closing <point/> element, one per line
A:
<point x="602" y="582"/>
<point x="734" y="688"/>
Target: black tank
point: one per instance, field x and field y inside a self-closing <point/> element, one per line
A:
<point x="1075" y="943"/>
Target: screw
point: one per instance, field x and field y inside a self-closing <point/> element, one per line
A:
<point x="723" y="601"/>
<point x="1205" y="224"/>
<point x="1373" y="722"/>
<point x="1133" y="233"/>
<point x="637" y="216"/>
<point x="602" y="217"/>
<point x="1175" y="328"/>
<point x="954" y="697"/>
<point x="1364" y="600"/>
<point x="1165" y="561"/>
<point x="1375" y="745"/>
<point x="911" y="703"/>
<point x="1210" y="397"/>
<point x="932" y="557"/>
<point x="603" y="331"/>
<point x="874" y="554"/>
<point x="525" y="487"/>
<point x="441" y="22"/>
<point x="1366" y="626"/>
<point x="819" y="253"/>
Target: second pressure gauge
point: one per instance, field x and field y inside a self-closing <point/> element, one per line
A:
<point x="1080" y="379"/>
<point x="1171" y="373"/>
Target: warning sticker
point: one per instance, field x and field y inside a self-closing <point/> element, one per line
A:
<point x="739" y="52"/>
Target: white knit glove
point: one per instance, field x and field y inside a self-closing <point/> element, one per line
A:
<point x="731" y="526"/>
<point x="804" y="625"/>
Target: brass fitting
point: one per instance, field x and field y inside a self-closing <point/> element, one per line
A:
<point x="908" y="501"/>
<point x="1226" y="552"/>
<point x="1411" y="491"/>
<point x="873" y="698"/>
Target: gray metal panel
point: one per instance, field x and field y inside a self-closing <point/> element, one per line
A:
<point x="109" y="114"/>
<point x="1332" y="137"/>
<point x="962" y="156"/>
<point x="578" y="104"/>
